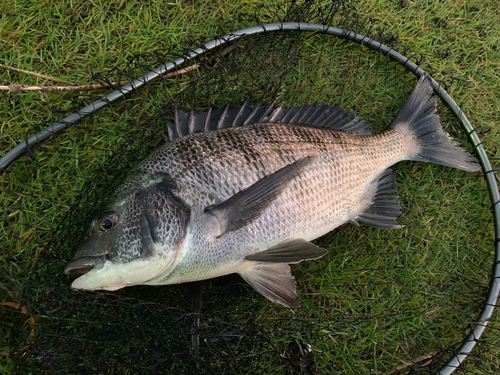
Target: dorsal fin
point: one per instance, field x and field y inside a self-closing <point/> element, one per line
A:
<point x="181" y="123"/>
<point x="223" y="119"/>
<point x="259" y="113"/>
<point x="213" y="119"/>
<point x="243" y="114"/>
<point x="322" y="115"/>
<point x="196" y="121"/>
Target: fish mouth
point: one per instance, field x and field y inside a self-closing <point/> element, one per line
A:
<point x="84" y="265"/>
<point x="114" y="275"/>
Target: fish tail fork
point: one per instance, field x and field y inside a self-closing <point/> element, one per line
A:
<point x="428" y="142"/>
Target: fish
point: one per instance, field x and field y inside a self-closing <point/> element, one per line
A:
<point x="245" y="190"/>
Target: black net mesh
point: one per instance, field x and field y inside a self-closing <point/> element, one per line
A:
<point x="381" y="301"/>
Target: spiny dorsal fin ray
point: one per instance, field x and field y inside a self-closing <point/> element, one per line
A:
<point x="213" y="119"/>
<point x="247" y="205"/>
<point x="257" y="114"/>
<point x="196" y="121"/>
<point x="224" y="118"/>
<point x="322" y="115"/>
<point x="207" y="120"/>
<point x="316" y="116"/>
<point x="288" y="114"/>
<point x="308" y="114"/>
<point x="290" y="252"/>
<point x="268" y="110"/>
<point x="275" y="115"/>
<point x="243" y="114"/>
<point x="385" y="208"/>
<point x="171" y="133"/>
<point x="181" y="123"/>
<point x="274" y="281"/>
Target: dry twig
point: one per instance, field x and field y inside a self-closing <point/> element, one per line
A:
<point x="17" y="87"/>
<point x="97" y="86"/>
<point x="412" y="362"/>
<point x="11" y="68"/>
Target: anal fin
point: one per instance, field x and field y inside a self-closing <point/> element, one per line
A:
<point x="385" y="207"/>
<point x="274" y="281"/>
<point x="290" y="252"/>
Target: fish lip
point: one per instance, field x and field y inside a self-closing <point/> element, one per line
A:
<point x="84" y="264"/>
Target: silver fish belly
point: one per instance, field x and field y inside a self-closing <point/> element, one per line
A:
<point x="249" y="199"/>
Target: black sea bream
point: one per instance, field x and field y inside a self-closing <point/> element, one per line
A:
<point x="249" y="196"/>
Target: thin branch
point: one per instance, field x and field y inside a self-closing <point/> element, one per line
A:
<point x="36" y="74"/>
<point x="75" y="87"/>
<point x="412" y="362"/>
<point x="97" y="86"/>
<point x="17" y="87"/>
<point x="182" y="71"/>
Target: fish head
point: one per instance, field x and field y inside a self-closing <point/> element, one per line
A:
<point x="136" y="237"/>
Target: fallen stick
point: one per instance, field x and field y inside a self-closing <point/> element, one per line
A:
<point x="412" y="362"/>
<point x="97" y="86"/>
<point x="11" y="68"/>
<point x="74" y="87"/>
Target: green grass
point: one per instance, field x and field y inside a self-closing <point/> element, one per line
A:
<point x="380" y="297"/>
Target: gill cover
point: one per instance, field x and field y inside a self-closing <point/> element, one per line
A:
<point x="136" y="237"/>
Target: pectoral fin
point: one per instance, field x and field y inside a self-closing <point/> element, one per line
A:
<point x="274" y="281"/>
<point x="290" y="252"/>
<point x="247" y="205"/>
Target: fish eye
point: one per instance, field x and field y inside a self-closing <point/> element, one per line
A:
<point x="108" y="221"/>
<point x="106" y="224"/>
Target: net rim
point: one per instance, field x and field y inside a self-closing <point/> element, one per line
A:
<point x="478" y="328"/>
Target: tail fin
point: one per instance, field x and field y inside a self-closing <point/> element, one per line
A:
<point x="419" y="118"/>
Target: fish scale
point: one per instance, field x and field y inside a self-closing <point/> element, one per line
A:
<point x="249" y="197"/>
<point x="332" y="188"/>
